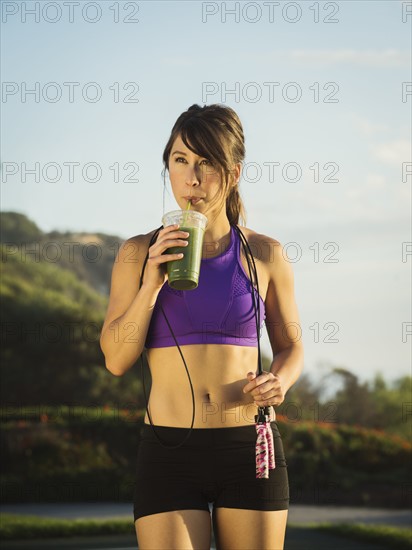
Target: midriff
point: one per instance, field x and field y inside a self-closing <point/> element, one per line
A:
<point x="218" y="375"/>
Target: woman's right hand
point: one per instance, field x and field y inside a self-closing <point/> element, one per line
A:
<point x="155" y="274"/>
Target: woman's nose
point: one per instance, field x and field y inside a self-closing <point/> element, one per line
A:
<point x="192" y="175"/>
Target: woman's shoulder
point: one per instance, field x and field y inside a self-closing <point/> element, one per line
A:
<point x="263" y="246"/>
<point x="142" y="240"/>
<point x="134" y="249"/>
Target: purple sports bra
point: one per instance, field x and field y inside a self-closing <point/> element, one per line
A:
<point x="218" y="311"/>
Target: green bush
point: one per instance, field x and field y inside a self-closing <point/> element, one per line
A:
<point x="68" y="446"/>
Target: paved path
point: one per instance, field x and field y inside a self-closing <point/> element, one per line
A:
<point x="297" y="538"/>
<point x="298" y="514"/>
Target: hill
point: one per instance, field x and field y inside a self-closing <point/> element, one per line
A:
<point x="89" y="256"/>
<point x="54" y="300"/>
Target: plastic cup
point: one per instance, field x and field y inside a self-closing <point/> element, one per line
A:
<point x="183" y="274"/>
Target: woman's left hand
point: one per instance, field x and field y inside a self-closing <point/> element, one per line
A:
<point x="266" y="389"/>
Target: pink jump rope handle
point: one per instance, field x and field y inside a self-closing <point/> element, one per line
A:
<point x="265" y="454"/>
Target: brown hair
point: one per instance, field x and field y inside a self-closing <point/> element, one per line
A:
<point x="216" y="133"/>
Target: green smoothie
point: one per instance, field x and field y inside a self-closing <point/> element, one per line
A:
<point x="183" y="274"/>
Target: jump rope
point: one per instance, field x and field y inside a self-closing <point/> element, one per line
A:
<point x="265" y="455"/>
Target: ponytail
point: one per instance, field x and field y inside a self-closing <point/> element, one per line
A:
<point x="235" y="208"/>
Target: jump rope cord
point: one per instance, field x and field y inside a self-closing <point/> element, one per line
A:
<point x="257" y="318"/>
<point x="153" y="239"/>
<point x="262" y="411"/>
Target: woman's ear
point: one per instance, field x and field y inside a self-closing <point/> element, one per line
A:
<point x="236" y="174"/>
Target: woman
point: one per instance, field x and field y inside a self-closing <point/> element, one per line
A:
<point x="216" y="463"/>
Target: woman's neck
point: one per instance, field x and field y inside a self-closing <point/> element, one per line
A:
<point x="216" y="239"/>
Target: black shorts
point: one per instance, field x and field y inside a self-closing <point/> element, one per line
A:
<point x="213" y="465"/>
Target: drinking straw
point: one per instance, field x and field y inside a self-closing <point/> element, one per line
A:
<point x="185" y="215"/>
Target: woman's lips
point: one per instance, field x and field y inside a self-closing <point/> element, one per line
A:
<point x="193" y="200"/>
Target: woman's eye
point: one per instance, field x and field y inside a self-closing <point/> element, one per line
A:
<point x="204" y="162"/>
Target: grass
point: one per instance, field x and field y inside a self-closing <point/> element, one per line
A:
<point x="392" y="537"/>
<point x="17" y="527"/>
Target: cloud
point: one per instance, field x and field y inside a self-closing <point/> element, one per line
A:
<point x="392" y="152"/>
<point x="375" y="181"/>
<point x="389" y="57"/>
<point x="367" y="127"/>
<point x="371" y="58"/>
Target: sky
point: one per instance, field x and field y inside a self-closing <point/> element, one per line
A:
<point x="90" y="93"/>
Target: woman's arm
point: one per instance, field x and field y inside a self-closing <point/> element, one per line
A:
<point x="283" y="327"/>
<point x="129" y="311"/>
<point x="282" y="319"/>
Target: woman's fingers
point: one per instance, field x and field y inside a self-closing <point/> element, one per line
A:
<point x="163" y="258"/>
<point x="166" y="241"/>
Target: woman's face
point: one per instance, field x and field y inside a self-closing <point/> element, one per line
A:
<point x="192" y="176"/>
